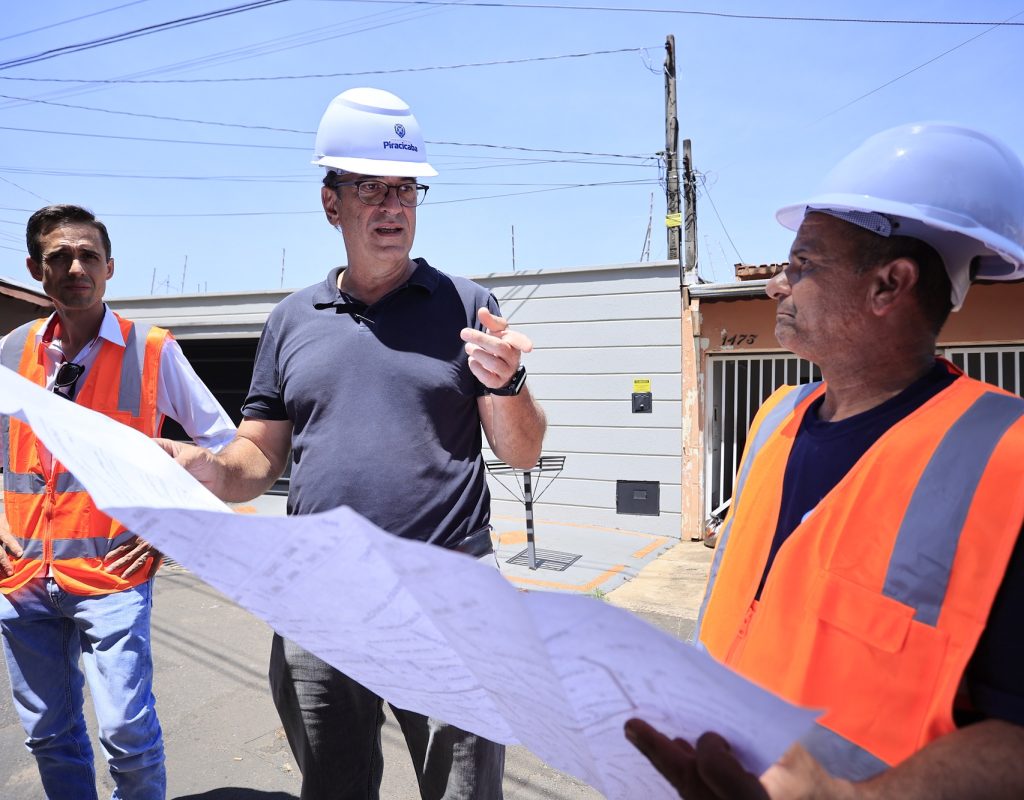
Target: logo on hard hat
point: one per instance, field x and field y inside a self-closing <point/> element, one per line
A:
<point x="400" y="130"/>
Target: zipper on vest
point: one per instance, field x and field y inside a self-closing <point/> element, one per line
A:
<point x="51" y="504"/>
<point x="741" y="634"/>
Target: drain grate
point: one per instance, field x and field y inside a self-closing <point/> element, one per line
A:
<point x="546" y="559"/>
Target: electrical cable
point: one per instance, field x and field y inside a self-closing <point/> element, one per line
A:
<point x="360" y="73"/>
<point x="305" y="133"/>
<point x="73" y="19"/>
<point x="639" y="182"/>
<point x="136" y="33"/>
<point x="915" y="69"/>
<point x="707" y="194"/>
<point x="686" y="12"/>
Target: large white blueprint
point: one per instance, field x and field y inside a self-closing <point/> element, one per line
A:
<point x="427" y="629"/>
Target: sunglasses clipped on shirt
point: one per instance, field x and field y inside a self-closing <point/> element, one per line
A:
<point x="67" y="379"/>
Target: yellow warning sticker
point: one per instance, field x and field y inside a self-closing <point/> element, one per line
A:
<point x="641" y="385"/>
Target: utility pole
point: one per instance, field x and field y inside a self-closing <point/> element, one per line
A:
<point x="513" y="248"/>
<point x="184" y="267"/>
<point x="282" y="269"/>
<point x="671" y="147"/>
<point x="689" y="217"/>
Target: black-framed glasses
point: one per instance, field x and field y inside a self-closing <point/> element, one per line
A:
<point x="374" y="193"/>
<point x="67" y="378"/>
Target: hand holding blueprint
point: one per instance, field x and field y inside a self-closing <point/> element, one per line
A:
<point x="427" y="629"/>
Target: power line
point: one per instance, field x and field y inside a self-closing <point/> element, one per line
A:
<point x="919" y="66"/>
<point x="301" y="179"/>
<point x="26" y="191"/>
<point x="136" y="33"/>
<point x="360" y="73"/>
<point x="151" y="139"/>
<point x="714" y="208"/>
<point x="720" y="14"/>
<point x="119" y="137"/>
<point x="320" y="33"/>
<point x="638" y="182"/>
<point x="153" y="116"/>
<point x="539" y="150"/>
<point x="68" y="21"/>
<point x="107" y="214"/>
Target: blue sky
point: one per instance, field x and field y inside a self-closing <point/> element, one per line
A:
<point x="769" y="105"/>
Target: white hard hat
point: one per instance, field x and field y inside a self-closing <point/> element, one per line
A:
<point x="958" y="190"/>
<point x="371" y="132"/>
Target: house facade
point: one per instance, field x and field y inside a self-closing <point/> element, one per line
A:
<point x="649" y="386"/>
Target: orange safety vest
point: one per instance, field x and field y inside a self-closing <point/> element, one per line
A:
<point x="53" y="516"/>
<point x="875" y="603"/>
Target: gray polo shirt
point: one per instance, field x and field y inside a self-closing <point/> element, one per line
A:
<point x="383" y="403"/>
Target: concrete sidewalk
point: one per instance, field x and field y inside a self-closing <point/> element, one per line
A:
<point x="223" y="737"/>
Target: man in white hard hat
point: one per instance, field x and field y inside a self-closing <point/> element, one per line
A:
<point x="871" y="564"/>
<point x="379" y="380"/>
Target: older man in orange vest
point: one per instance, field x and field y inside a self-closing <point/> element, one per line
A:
<point x="872" y="564"/>
<point x="74" y="584"/>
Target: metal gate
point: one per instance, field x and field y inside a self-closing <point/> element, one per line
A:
<point x="1000" y="366"/>
<point x="736" y="387"/>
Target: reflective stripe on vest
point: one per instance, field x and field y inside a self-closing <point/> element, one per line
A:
<point x="920" y="581"/>
<point x="73" y="548"/>
<point x="129" y="395"/>
<point x="34" y="483"/>
<point x="892" y="575"/>
<point x="764" y="430"/>
<point x="840" y="756"/>
<point x="57" y="520"/>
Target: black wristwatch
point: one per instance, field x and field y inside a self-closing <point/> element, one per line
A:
<point x="514" y="386"/>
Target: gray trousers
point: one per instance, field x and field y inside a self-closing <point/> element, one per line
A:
<point x="333" y="726"/>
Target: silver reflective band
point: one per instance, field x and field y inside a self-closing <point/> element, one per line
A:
<point x="63" y="549"/>
<point x="841" y="757"/>
<point x="34" y="483"/>
<point x="922" y="558"/>
<point x="129" y="394"/>
<point x="772" y="421"/>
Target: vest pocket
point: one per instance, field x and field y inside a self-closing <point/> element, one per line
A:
<point x="875" y="669"/>
<point x="872" y="618"/>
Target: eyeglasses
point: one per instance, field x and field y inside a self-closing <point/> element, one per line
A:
<point x="375" y="193"/>
<point x="66" y="379"/>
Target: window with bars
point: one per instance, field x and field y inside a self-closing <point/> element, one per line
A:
<point x="737" y="385"/>
<point x="1000" y="366"/>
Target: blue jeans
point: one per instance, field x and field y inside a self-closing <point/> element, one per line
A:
<point x="333" y="726"/>
<point x="45" y="632"/>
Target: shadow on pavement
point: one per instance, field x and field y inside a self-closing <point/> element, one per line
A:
<point x="235" y="793"/>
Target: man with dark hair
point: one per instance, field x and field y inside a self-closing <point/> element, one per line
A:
<point x="380" y="380"/>
<point x="74" y="584"/>
<point x="46" y="219"/>
<point x="872" y="563"/>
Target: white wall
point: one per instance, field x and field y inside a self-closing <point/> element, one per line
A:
<point x="594" y="331"/>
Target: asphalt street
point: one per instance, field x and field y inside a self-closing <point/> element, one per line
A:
<point x="222" y="734"/>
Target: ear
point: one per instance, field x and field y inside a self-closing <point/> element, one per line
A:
<point x="329" y="198"/>
<point x="110" y="268"/>
<point x="34" y="268"/>
<point x="893" y="285"/>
